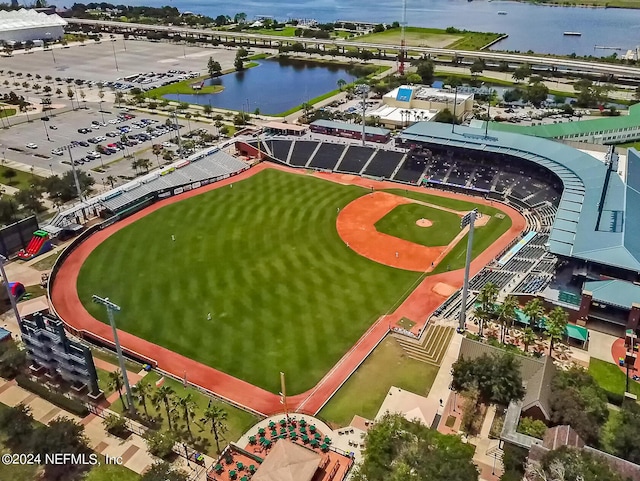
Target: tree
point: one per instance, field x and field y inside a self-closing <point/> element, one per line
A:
<point x="534" y="310"/>
<point x="477" y="67"/>
<point x="445" y="116"/>
<point x="61" y="436"/>
<point x="144" y="164"/>
<point x="164" y="395"/>
<point x="187" y="405"/>
<point x="116" y="383"/>
<point x="10" y="174"/>
<point x="240" y="18"/>
<point x="16" y="424"/>
<point x="238" y="64"/>
<point x="425" y="69"/>
<point x="30" y="198"/>
<point x="506" y="315"/>
<point x="397" y="449"/>
<point x="70" y="94"/>
<point x="160" y="443"/>
<point x="242" y="53"/>
<point x="532" y="427"/>
<point x="119" y="97"/>
<point x="163" y="471"/>
<point x="142" y="391"/>
<point x="590" y="95"/>
<point x="571" y="464"/>
<point x="486" y="298"/>
<point x="341" y="83"/>
<point x="116" y="425"/>
<point x="414" y="78"/>
<point x="157" y="150"/>
<point x="213" y="67"/>
<point x="217" y="417"/>
<point x="522" y="72"/>
<point x="206" y="109"/>
<point x="112" y="180"/>
<point x="537" y="93"/>
<point x="497" y="378"/>
<point x="64" y="188"/>
<point x="59" y="92"/>
<point x="577" y="399"/>
<point x="12" y="359"/>
<point x="528" y="338"/>
<point x="556" y="326"/>
<point x="620" y="436"/>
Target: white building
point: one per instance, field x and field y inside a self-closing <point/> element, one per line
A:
<point x="407" y="104"/>
<point x="23" y="25"/>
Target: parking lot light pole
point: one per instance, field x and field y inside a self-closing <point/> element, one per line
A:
<point x="111" y="308"/>
<point x="114" y="55"/>
<point x="46" y="130"/>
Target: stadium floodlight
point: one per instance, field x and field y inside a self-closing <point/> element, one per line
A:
<point x="12" y="299"/>
<point x="362" y="91"/>
<point x="468" y="219"/>
<point x="73" y="169"/>
<point x="111" y="308"/>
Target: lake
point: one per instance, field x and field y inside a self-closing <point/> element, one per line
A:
<point x="529" y="26"/>
<point x="274" y="86"/>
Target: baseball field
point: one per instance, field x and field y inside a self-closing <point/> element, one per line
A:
<point x="253" y="278"/>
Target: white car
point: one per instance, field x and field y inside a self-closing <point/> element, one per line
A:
<point x="31" y="145"/>
<point x="167" y="145"/>
<point x="57" y="152"/>
<point x="113" y="121"/>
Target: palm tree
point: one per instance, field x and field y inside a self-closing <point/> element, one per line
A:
<point x="341" y="83"/>
<point x="59" y="92"/>
<point x="144" y="164"/>
<point x="164" y="395"/>
<point x="207" y="110"/>
<point x="143" y="391"/>
<point x="157" y="150"/>
<point x="101" y="96"/>
<point x="112" y="180"/>
<point x="119" y="98"/>
<point x="217" y="417"/>
<point x="116" y="382"/>
<point x="534" y="310"/>
<point x="487" y="298"/>
<point x="135" y="164"/>
<point x="188" y="405"/>
<point x="556" y="326"/>
<point x="506" y="315"/>
<point x="528" y="337"/>
<point x="188" y="116"/>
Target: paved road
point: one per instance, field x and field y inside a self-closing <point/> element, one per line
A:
<point x="562" y="63"/>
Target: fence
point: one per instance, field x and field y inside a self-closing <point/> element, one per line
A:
<point x="16" y="236"/>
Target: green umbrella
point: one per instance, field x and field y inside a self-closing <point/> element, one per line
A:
<point x="314" y="442"/>
<point x="312" y="428"/>
<point x="303" y="422"/>
<point x="327" y="440"/>
<point x="272" y="424"/>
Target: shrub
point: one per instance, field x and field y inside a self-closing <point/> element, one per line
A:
<point x="532" y="427"/>
<point x="72" y="405"/>
<point x="160" y="443"/>
<point x="116" y="425"/>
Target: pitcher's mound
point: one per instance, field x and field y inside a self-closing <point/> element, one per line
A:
<point x="424" y="223"/>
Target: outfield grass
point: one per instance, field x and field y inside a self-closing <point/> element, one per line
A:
<point x="265" y="259"/>
<point x="365" y="390"/>
<point x="611" y="378"/>
<point x="401" y="222"/>
<point x="237" y="423"/>
<point x="483" y="236"/>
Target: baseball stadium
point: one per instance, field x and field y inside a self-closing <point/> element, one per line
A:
<point x="299" y="255"/>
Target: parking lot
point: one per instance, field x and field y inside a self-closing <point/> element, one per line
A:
<point x="97" y="61"/>
<point x="63" y="131"/>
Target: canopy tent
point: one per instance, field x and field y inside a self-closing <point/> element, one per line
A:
<point x="578" y="333"/>
<point x="288" y="461"/>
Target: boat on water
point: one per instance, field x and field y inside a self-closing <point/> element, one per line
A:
<point x="572" y="34"/>
<point x="502" y="12"/>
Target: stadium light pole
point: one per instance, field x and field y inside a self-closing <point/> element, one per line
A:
<point x="468" y="219"/>
<point x="114" y="55"/>
<point x="363" y="91"/>
<point x="75" y="173"/>
<point x="12" y="299"/>
<point x="111" y="308"/>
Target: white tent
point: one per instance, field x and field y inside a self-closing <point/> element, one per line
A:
<point x="23" y="25"/>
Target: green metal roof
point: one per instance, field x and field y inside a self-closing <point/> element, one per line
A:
<point x="582" y="127"/>
<point x="614" y="292"/>
<point x="615" y="241"/>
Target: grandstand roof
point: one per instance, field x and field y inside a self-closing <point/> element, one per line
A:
<point x="22" y="19"/>
<point x="613" y="292"/>
<point x="332" y="124"/>
<point x="615" y="241"/>
<point x="583" y="127"/>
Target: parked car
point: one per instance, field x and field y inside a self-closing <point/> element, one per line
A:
<point x="31" y="145"/>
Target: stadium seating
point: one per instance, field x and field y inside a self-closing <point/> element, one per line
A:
<point x="355" y="158"/>
<point x="327" y="156"/>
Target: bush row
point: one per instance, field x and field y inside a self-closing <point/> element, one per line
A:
<point x="72" y="405"/>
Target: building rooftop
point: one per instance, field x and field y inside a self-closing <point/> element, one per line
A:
<point x="583" y="127"/>
<point x="614" y="292"/>
<point x="583" y="228"/>
<point x="397" y="114"/>
<point x="288" y="461"/>
<point x="23" y="19"/>
<point x="332" y="124"/>
<point x="406" y="93"/>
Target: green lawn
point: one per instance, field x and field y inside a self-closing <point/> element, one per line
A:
<point x="103" y="382"/>
<point x="7" y="112"/>
<point x="111" y="472"/>
<point x="431" y="37"/>
<point x="483" y="236"/>
<point x="47" y="262"/>
<point x="238" y="421"/>
<point x="611" y="378"/>
<point x="365" y="390"/>
<point x="21" y="179"/>
<point x="265" y="259"/>
<point x="184" y="88"/>
<point x="17" y="472"/>
<point x="113" y="359"/>
<point x="401" y="222"/>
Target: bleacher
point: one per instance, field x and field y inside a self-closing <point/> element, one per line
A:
<point x="355" y="158"/>
<point x="532" y="283"/>
<point x="279" y="148"/>
<point x="411" y="169"/>
<point x="302" y="151"/>
<point x="384" y="163"/>
<point x="498" y="278"/>
<point x="214" y="165"/>
<point x="327" y="156"/>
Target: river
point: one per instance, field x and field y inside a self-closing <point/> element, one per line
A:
<point x="530" y="27"/>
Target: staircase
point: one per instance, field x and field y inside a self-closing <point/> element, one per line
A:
<point x="431" y="346"/>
